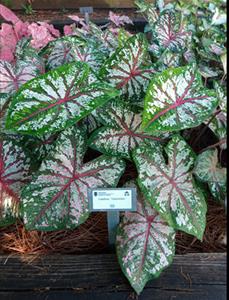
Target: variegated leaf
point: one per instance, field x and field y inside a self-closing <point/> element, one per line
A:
<point x="122" y="132"/>
<point x="26" y="53"/>
<point x="168" y="60"/>
<point x="12" y="77"/>
<point x="61" y="51"/>
<point x="218" y="124"/>
<point x="57" y="196"/>
<point x="57" y="100"/>
<point x="130" y="68"/>
<point x="4" y="100"/>
<point x="145" y="244"/>
<point x="72" y="48"/>
<point x="207" y="169"/>
<point x="169" y="33"/>
<point x="170" y="188"/>
<point x="176" y="100"/>
<point x="149" y="10"/>
<point x="14" y="167"/>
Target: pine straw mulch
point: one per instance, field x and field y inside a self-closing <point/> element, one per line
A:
<point x="92" y="237"/>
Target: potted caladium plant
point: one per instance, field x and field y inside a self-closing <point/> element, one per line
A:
<point x="132" y="97"/>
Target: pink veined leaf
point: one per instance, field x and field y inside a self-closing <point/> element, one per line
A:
<point x="57" y="100"/>
<point x="130" y="68"/>
<point x="121" y="132"/>
<point x="176" y="99"/>
<point x="170" y="187"/>
<point x="57" y="197"/>
<point x="145" y="244"/>
<point x="12" y="77"/>
<point x="168" y="35"/>
<point x="119" y="20"/>
<point x="14" y="167"/>
<point x="8" y="15"/>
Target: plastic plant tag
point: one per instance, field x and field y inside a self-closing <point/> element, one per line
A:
<point x="118" y="199"/>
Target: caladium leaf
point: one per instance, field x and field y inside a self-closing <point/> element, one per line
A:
<point x="122" y="132"/>
<point x="26" y="53"/>
<point x="149" y="10"/>
<point x="14" y="167"/>
<point x="169" y="33"/>
<point x="12" y="77"/>
<point x="218" y="124"/>
<point x="130" y="68"/>
<point x="176" y="100"/>
<point x="57" y="100"/>
<point x="145" y="244"/>
<point x="207" y="169"/>
<point x="170" y="188"/>
<point x="57" y="196"/>
<point x="168" y="60"/>
<point x="4" y="102"/>
<point x="62" y="51"/>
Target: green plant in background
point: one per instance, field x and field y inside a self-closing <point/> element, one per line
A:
<point x="7" y="3"/>
<point x="28" y="7"/>
<point x="136" y="97"/>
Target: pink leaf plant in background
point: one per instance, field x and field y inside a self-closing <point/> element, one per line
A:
<point x="41" y="33"/>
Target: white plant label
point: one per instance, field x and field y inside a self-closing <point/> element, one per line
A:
<point x="119" y="199"/>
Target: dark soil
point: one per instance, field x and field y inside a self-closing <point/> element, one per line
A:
<point x="53" y="15"/>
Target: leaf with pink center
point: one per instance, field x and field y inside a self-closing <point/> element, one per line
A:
<point x="57" y="100"/>
<point x="122" y="132"/>
<point x="14" y="167"/>
<point x="129" y="68"/>
<point x="176" y="99"/>
<point x="169" y="33"/>
<point x="145" y="244"/>
<point x="57" y="197"/>
<point x="170" y="187"/>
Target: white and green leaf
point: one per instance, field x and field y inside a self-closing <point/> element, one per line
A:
<point x="129" y="68"/>
<point x="208" y="169"/>
<point x="176" y="99"/>
<point x="169" y="33"/>
<point x="57" y="197"/>
<point x="57" y="99"/>
<point x="14" y="167"/>
<point x="122" y="132"/>
<point x="145" y="244"/>
<point x="171" y="188"/>
<point x="13" y="76"/>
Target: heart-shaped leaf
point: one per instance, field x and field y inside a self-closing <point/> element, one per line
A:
<point x="57" y="196"/>
<point x="14" y="167"/>
<point x="169" y="34"/>
<point x="145" y="244"/>
<point x="57" y="100"/>
<point x="122" y="132"/>
<point x="12" y="77"/>
<point x="170" y="188"/>
<point x="207" y="169"/>
<point x="176" y="100"/>
<point x="130" y="68"/>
